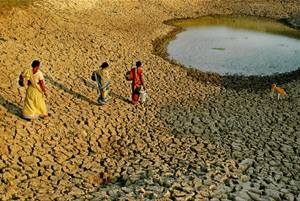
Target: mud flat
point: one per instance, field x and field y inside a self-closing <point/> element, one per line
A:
<point x="192" y="140"/>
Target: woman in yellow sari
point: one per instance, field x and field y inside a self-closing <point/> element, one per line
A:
<point x="34" y="104"/>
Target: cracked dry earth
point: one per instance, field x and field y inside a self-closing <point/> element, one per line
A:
<point x="189" y="141"/>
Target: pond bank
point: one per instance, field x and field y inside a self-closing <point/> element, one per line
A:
<point x="191" y="139"/>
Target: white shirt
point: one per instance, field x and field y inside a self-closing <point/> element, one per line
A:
<point x="38" y="76"/>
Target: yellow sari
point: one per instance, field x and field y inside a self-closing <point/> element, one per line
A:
<point x="34" y="104"/>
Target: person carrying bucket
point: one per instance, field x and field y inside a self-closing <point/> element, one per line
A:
<point x="137" y="82"/>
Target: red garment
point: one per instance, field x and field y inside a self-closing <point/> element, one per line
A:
<point x="137" y="74"/>
<point x="136" y="84"/>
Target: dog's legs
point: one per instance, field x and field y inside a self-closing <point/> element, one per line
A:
<point x="271" y="95"/>
<point x="278" y="96"/>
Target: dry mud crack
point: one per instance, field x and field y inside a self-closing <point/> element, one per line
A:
<point x="189" y="141"/>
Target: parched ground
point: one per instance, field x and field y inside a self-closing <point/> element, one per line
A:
<point x="191" y="140"/>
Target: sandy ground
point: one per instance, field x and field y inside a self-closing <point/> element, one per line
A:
<point x="190" y="140"/>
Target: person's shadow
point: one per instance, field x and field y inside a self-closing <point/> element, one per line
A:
<point x="11" y="107"/>
<point x="70" y="91"/>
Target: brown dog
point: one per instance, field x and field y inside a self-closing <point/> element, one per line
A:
<point x="279" y="90"/>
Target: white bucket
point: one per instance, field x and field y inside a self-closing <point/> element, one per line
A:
<point x="143" y="95"/>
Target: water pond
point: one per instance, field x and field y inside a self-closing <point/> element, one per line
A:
<point x="246" y="46"/>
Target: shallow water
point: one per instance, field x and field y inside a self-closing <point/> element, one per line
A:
<point x="247" y="46"/>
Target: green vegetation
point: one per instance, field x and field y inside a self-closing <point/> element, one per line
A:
<point x="122" y="182"/>
<point x="78" y="185"/>
<point x="17" y="169"/>
<point x="145" y="177"/>
<point x="71" y="133"/>
<point x="6" y="5"/>
<point x="218" y="48"/>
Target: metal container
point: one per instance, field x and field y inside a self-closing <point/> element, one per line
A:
<point x="143" y="95"/>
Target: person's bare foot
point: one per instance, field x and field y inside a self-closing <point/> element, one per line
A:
<point x="47" y="117"/>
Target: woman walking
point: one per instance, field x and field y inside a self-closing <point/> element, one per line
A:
<point x="137" y="81"/>
<point x="34" y="104"/>
<point x="102" y="78"/>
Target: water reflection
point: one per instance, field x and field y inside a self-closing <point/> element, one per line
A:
<point x="247" y="46"/>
